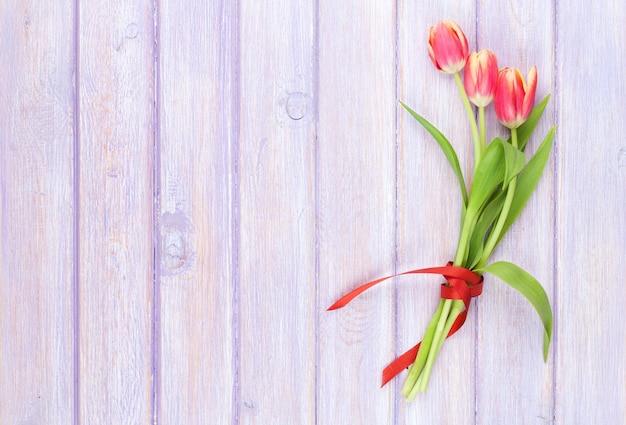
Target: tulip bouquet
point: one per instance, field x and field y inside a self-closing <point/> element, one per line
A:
<point x="503" y="181"/>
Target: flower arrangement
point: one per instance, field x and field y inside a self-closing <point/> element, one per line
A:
<point x="503" y="181"/>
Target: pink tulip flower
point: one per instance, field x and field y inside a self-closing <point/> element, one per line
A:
<point x="447" y="47"/>
<point x="515" y="97"/>
<point x="481" y="74"/>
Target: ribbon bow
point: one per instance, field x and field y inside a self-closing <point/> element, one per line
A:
<point x="462" y="284"/>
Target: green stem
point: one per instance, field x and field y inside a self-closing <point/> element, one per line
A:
<point x="494" y="237"/>
<point x="422" y="382"/>
<point x="422" y="353"/>
<point x="448" y="310"/>
<point x="459" y="258"/>
<point x="441" y="323"/>
<point x="471" y="118"/>
<point x="483" y="130"/>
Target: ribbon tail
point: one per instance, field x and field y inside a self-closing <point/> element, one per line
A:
<point x="343" y="301"/>
<point x="448" y="271"/>
<point x="399" y="364"/>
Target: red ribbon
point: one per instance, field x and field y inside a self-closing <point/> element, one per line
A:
<point x="463" y="284"/>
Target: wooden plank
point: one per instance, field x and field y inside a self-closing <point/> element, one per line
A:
<point x="591" y="195"/>
<point x="36" y="213"/>
<point x="116" y="139"/>
<point x="277" y="214"/>
<point x="510" y="338"/>
<point x="196" y="127"/>
<point x="356" y="208"/>
<point x="429" y="208"/>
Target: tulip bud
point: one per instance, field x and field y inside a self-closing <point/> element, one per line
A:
<point x="481" y="74"/>
<point x="447" y="47"/>
<point x="515" y="97"/>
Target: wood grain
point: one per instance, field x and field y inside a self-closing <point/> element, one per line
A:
<point x="429" y="208"/>
<point x="590" y="382"/>
<point x="276" y="179"/>
<point x="116" y="142"/>
<point x="197" y="127"/>
<point x="509" y="366"/>
<point x="356" y="208"/>
<point x="36" y="213"/>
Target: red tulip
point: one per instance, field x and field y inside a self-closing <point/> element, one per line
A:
<point x="515" y="97"/>
<point x="447" y="47"/>
<point x="481" y="74"/>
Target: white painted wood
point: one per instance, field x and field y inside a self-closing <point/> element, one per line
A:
<point x="116" y="142"/>
<point x="36" y="213"/>
<point x="197" y="124"/>
<point x="590" y="382"/>
<point x="429" y="210"/>
<point x="276" y="214"/>
<point x="514" y="385"/>
<point x="356" y="208"/>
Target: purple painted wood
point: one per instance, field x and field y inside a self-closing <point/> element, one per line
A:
<point x="198" y="250"/>
<point x="37" y="205"/>
<point x="356" y="207"/>
<point x="184" y="188"/>
<point x="590" y="200"/>
<point x="116" y="110"/>
<point x="276" y="176"/>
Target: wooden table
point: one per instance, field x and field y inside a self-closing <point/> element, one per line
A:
<point x="185" y="186"/>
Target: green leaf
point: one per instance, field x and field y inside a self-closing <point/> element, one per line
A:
<point x="514" y="161"/>
<point x="485" y="221"/>
<point x="488" y="175"/>
<point x="499" y="164"/>
<point x="525" y="130"/>
<point x="525" y="284"/>
<point x="446" y="147"/>
<point x="527" y="180"/>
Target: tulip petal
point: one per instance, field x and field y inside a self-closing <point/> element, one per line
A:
<point x="504" y="105"/>
<point x="464" y="48"/>
<point x="515" y="97"/>
<point x="431" y="51"/>
<point x="529" y="95"/>
<point x="447" y="47"/>
<point x="481" y="73"/>
<point x="518" y="93"/>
